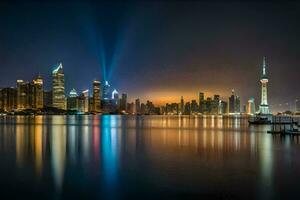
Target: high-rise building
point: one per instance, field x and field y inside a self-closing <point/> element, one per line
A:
<point x="84" y="101"/>
<point x="73" y="101"/>
<point x="47" y="98"/>
<point x="251" y="106"/>
<point x="223" y="107"/>
<point x="215" y="104"/>
<point x="114" y="103"/>
<point x="264" y="107"/>
<point x="187" y="108"/>
<point x="58" y="87"/>
<point x="150" y="108"/>
<point x="38" y="93"/>
<point x="181" y="105"/>
<point x="234" y="103"/>
<point x="123" y="103"/>
<point x="22" y="95"/>
<point x="137" y="106"/>
<point x="143" y="108"/>
<point x="208" y="105"/>
<point x="96" y="96"/>
<point x="106" y="91"/>
<point x="194" y="107"/>
<point x="8" y="99"/>
<point x="201" y="102"/>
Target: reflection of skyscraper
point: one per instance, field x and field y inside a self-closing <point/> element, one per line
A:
<point x="58" y="150"/>
<point x="58" y="87"/>
<point x="38" y="144"/>
<point x="264" y="107"/>
<point x="96" y="96"/>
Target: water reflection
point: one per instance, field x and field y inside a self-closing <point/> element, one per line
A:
<point x="177" y="150"/>
<point x="58" y="150"/>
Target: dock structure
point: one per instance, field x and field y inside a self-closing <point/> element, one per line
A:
<point x="285" y="125"/>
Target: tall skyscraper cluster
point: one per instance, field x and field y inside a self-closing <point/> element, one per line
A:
<point x="26" y="95"/>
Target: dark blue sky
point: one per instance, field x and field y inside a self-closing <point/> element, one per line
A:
<point x="155" y="50"/>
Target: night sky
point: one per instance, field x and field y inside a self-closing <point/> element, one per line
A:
<point x="156" y="50"/>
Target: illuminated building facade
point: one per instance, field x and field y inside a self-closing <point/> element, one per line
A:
<point x="58" y="87"/>
<point x="84" y="101"/>
<point x="106" y="91"/>
<point x="8" y="98"/>
<point x="38" y="93"/>
<point x="22" y="95"/>
<point x="73" y="101"/>
<point x="251" y="106"/>
<point x="223" y="108"/>
<point x="96" y="96"/>
<point x="264" y="107"/>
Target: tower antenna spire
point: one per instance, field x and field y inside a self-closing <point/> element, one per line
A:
<point x="264" y="66"/>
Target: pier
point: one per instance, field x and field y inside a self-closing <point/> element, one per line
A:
<point x="285" y="125"/>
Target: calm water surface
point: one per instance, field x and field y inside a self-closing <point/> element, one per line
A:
<point x="145" y="157"/>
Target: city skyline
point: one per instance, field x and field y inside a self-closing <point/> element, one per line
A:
<point x="153" y="55"/>
<point x="101" y="99"/>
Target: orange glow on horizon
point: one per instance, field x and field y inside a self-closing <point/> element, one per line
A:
<point x="160" y="98"/>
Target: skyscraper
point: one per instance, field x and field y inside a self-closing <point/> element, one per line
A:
<point x="194" y="106"/>
<point x="201" y="102"/>
<point x="96" y="96"/>
<point x="115" y="100"/>
<point x="72" y="101"/>
<point x="137" y="106"/>
<point x="47" y="98"/>
<point x="215" y="104"/>
<point x="234" y="103"/>
<point x="106" y="91"/>
<point x="22" y="95"/>
<point x="251" y="106"/>
<point x="38" y="93"/>
<point x="84" y="101"/>
<point x="123" y="102"/>
<point x="58" y="87"/>
<point x="181" y="105"/>
<point x="264" y="107"/>
<point x="8" y="99"/>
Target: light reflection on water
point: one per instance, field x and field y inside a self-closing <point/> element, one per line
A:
<point x="121" y="156"/>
